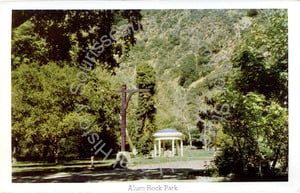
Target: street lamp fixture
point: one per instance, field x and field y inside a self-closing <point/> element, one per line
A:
<point x="124" y="106"/>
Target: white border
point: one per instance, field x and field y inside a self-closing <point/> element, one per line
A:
<point x="294" y="67"/>
<point x="205" y="4"/>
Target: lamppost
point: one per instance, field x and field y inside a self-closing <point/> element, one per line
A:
<point x="124" y="106"/>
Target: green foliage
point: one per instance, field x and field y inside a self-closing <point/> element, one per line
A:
<point x="143" y="134"/>
<point x="41" y="107"/>
<point x="263" y="58"/>
<point x="188" y="71"/>
<point x="181" y="55"/>
<point x="48" y="47"/>
<point x="27" y="46"/>
<point x="104" y="105"/>
<point x="252" y="13"/>
<point x="45" y="124"/>
<point x="257" y="125"/>
<point x="196" y="138"/>
<point x="145" y="77"/>
<point x="254" y="76"/>
<point x="67" y="31"/>
<point x="250" y="148"/>
<point x="188" y="50"/>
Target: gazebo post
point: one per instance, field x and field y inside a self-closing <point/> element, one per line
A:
<point x="173" y="149"/>
<point x="177" y="147"/>
<point x="155" y="153"/>
<point x="159" y="148"/>
<point x="181" y="147"/>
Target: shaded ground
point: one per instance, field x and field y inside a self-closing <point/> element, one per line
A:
<point x="108" y="174"/>
<point x="196" y="164"/>
<point x="197" y="170"/>
<point x="193" y="166"/>
<point x="103" y="171"/>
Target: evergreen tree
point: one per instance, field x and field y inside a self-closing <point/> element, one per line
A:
<point x="145" y="79"/>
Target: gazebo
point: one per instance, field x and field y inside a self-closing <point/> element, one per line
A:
<point x="168" y="134"/>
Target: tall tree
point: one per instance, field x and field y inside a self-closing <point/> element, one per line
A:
<point x="47" y="48"/>
<point x="143" y="136"/>
<point x="257" y="124"/>
<point x="263" y="57"/>
<point x="50" y="123"/>
<point x="43" y="121"/>
<point x="68" y="34"/>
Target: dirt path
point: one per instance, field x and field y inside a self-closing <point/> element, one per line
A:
<point x="198" y="164"/>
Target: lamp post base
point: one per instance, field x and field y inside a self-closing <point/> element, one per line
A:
<point x="122" y="159"/>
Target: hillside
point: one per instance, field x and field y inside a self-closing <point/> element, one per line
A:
<point x="190" y="50"/>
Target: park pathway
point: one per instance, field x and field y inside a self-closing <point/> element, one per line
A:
<point x="197" y="164"/>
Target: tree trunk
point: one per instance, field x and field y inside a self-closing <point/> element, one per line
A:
<point x="275" y="159"/>
<point x="14" y="154"/>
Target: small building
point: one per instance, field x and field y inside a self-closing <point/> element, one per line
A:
<point x="162" y="137"/>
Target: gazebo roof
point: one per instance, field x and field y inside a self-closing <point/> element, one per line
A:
<point x="168" y="132"/>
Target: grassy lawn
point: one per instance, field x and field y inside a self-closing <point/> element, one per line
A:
<point x="68" y="165"/>
<point x="80" y="170"/>
<point x="80" y="165"/>
<point x="188" y="155"/>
